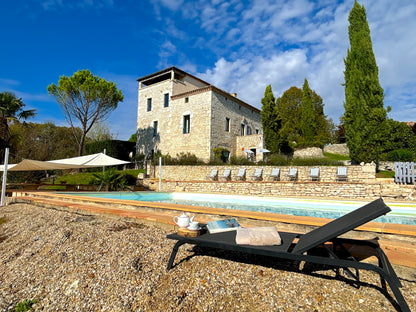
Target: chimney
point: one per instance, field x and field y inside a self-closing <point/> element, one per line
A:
<point x="234" y="94"/>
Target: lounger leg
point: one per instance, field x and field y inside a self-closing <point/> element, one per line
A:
<point x="173" y="254"/>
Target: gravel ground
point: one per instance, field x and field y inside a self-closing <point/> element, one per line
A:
<point x="75" y="262"/>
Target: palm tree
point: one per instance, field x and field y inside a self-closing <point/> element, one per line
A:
<point x="11" y="108"/>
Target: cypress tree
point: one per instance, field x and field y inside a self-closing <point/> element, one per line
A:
<point x="269" y="120"/>
<point x="364" y="111"/>
<point x="308" y="125"/>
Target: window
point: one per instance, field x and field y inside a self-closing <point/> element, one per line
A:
<point x="248" y="130"/>
<point x="166" y="103"/>
<point x="186" y="100"/>
<point x="257" y="131"/>
<point x="149" y="104"/>
<point x="186" y="123"/>
<point x="227" y="124"/>
<point x="242" y="132"/>
<point x="154" y="128"/>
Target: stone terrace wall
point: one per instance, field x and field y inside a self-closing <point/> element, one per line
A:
<point x="362" y="183"/>
<point x="356" y="174"/>
<point x="358" y="191"/>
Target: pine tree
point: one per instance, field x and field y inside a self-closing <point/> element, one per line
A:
<point x="269" y="120"/>
<point x="308" y="124"/>
<point x="364" y="111"/>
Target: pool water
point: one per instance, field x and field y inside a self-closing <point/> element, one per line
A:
<point x="402" y="213"/>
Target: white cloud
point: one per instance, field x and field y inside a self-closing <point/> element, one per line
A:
<point x="281" y="43"/>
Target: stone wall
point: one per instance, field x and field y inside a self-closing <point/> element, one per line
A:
<point x="334" y="190"/>
<point x="309" y="152"/>
<point x="356" y="174"/>
<point x="340" y="149"/>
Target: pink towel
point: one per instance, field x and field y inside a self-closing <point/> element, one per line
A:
<point x="258" y="236"/>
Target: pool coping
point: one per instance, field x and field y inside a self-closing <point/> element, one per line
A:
<point x="382" y="228"/>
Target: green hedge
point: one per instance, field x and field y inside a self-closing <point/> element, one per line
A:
<point x="114" y="148"/>
<point x="401" y="155"/>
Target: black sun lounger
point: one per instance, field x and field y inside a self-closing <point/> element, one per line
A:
<point x="325" y="238"/>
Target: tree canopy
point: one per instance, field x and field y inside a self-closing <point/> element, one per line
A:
<point x="11" y="109"/>
<point x="86" y="98"/>
<point x="308" y="124"/>
<point x="365" y="116"/>
<point x="270" y="121"/>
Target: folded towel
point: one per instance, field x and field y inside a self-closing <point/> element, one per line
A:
<point x="258" y="236"/>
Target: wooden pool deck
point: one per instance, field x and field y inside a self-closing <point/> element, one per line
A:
<point x="398" y="240"/>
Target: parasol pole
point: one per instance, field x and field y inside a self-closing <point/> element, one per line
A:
<point x="3" y="186"/>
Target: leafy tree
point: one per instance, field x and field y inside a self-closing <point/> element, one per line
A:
<point x="308" y="125"/>
<point x="100" y="131"/>
<point x="42" y="141"/>
<point x="269" y="119"/>
<point x="11" y="109"/>
<point x="364" y="115"/>
<point x="289" y="108"/>
<point x="86" y="98"/>
<point x="133" y="138"/>
<point x="290" y="111"/>
<point x="399" y="136"/>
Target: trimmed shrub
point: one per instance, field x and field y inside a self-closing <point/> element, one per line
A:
<point x="401" y="155"/>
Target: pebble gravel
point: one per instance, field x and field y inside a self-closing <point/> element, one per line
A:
<point x="68" y="261"/>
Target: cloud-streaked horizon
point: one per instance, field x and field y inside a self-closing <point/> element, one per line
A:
<point x="238" y="46"/>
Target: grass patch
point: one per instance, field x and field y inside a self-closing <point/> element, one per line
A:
<point x="3" y="220"/>
<point x="24" y="305"/>
<point x="385" y="174"/>
<point x="87" y="177"/>
<point x="52" y="187"/>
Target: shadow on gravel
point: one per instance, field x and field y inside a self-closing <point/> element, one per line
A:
<point x="310" y="269"/>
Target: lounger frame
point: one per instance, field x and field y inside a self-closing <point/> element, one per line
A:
<point x="323" y="239"/>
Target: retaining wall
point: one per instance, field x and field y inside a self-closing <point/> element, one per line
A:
<point x="361" y="184"/>
<point x="360" y="173"/>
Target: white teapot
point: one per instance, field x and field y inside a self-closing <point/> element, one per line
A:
<point x="183" y="220"/>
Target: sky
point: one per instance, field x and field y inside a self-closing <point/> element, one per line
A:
<point x="239" y="46"/>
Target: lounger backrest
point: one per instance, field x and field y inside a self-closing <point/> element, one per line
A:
<point x="293" y="171"/>
<point x="314" y="172"/>
<point x="341" y="225"/>
<point x="227" y="172"/>
<point x="275" y="172"/>
<point x="214" y="173"/>
<point x="241" y="172"/>
<point x="258" y="172"/>
<point x="342" y="171"/>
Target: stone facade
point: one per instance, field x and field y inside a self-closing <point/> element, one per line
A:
<point x="178" y="112"/>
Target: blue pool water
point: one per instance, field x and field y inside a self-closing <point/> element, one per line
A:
<point x="401" y="213"/>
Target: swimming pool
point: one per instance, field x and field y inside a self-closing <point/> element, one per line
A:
<point x="402" y="213"/>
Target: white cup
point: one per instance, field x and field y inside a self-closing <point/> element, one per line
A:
<point x="193" y="225"/>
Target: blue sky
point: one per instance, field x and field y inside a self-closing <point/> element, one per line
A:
<point x="238" y="46"/>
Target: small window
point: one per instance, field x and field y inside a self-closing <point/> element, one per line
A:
<point x="186" y="100"/>
<point x="243" y="128"/>
<point x="239" y="107"/>
<point x="227" y="124"/>
<point x="166" y="102"/>
<point x="248" y="130"/>
<point x="257" y="131"/>
<point x="186" y="123"/>
<point x="155" y="127"/>
<point x="149" y="104"/>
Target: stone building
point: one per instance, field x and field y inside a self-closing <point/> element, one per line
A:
<point x="178" y="112"/>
